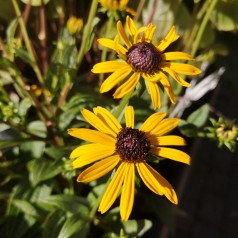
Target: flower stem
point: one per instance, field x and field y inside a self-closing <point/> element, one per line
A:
<point x="88" y="29"/>
<point x="123" y="104"/>
<point x="202" y="27"/>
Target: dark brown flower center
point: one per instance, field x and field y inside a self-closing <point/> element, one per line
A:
<point x="132" y="145"/>
<point x="143" y="57"/>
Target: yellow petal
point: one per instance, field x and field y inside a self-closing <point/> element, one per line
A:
<point x="176" y="56"/>
<point x="107" y="118"/>
<point x="170" y="37"/>
<point x="122" y="34"/>
<point x="113" y="189"/>
<point x="107" y="43"/>
<point x="92" y="136"/>
<point x="152" y="121"/>
<point x="128" y="86"/>
<point x="175" y="76"/>
<point x="173" y="154"/>
<point x="128" y="190"/>
<point x="96" y="122"/>
<point x="159" y="183"/>
<point x="137" y="36"/>
<point x="148" y="179"/>
<point x="99" y="169"/>
<point x="167" y="86"/>
<point x="167" y="140"/>
<point x="131" y="27"/>
<point x="179" y="68"/>
<point x="165" y="126"/>
<point x="108" y="66"/>
<point x="153" y="78"/>
<point x="129" y="116"/>
<point x="91" y="148"/>
<point x="154" y="94"/>
<point x="119" y="48"/>
<point x="115" y="78"/>
<point x="149" y="33"/>
<point x="91" y="157"/>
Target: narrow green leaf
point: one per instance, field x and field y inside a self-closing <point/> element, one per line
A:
<point x="26" y="207"/>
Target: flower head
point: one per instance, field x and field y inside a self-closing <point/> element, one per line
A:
<point x="127" y="149"/>
<point x="140" y="57"/>
<point x="74" y="25"/>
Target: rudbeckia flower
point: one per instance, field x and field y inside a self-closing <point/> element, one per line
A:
<point x="140" y="57"/>
<point x="126" y="149"/>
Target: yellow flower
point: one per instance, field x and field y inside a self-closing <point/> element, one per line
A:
<point x="139" y="58"/>
<point x="74" y="25"/>
<point x="117" y="5"/>
<point x="128" y="149"/>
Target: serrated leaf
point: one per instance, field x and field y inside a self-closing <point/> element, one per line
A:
<point x="75" y="226"/>
<point x="200" y="116"/>
<point x="69" y="203"/>
<point x="41" y="169"/>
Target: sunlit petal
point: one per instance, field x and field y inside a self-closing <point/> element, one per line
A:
<point x="122" y="34"/>
<point x="173" y="154"/>
<point x="128" y="86"/>
<point x="180" y="68"/>
<point x="166" y="140"/>
<point x="128" y="190"/>
<point x="108" y="66"/>
<point x="131" y="27"/>
<point x="99" y="169"/>
<point x="165" y="126"/>
<point x="92" y="136"/>
<point x="154" y="94"/>
<point x="113" y="189"/>
<point x="115" y="78"/>
<point x="129" y="116"/>
<point x="176" y="56"/>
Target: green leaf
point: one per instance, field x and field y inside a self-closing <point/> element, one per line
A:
<point x="41" y="169"/>
<point x="26" y="207"/>
<point x="69" y="203"/>
<point x="187" y="129"/>
<point x="23" y="54"/>
<point x="34" y="149"/>
<point x="24" y="106"/>
<point x="75" y="225"/>
<point x="200" y="116"/>
<point x="36" y="3"/>
<point x="37" y="128"/>
<point x="225" y="16"/>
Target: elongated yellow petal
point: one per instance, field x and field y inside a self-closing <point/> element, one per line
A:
<point x="154" y="94"/>
<point x="91" y="157"/>
<point x="152" y="121"/>
<point x="153" y="78"/>
<point x="166" y="140"/>
<point x="137" y="36"/>
<point x="176" y="56"/>
<point x="129" y="116"/>
<point x="128" y="190"/>
<point x="131" y="27"/>
<point x="96" y="122"/>
<point x="107" y="66"/>
<point x="149" y="33"/>
<point x="99" y="169"/>
<point x="107" y="118"/>
<point x="179" y="68"/>
<point x="113" y="189"/>
<point x="160" y="183"/>
<point x="175" y="76"/>
<point x="165" y="126"/>
<point x="107" y="43"/>
<point x="91" y="148"/>
<point x="170" y="37"/>
<point x="167" y="86"/>
<point x="119" y="48"/>
<point x="173" y="154"/>
<point x="115" y="78"/>
<point x="148" y="179"/>
<point x="92" y="136"/>
<point x="128" y="86"/>
<point x="123" y="35"/>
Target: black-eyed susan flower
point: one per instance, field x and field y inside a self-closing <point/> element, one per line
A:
<point x="115" y="5"/>
<point x="126" y="149"/>
<point x="140" y="57"/>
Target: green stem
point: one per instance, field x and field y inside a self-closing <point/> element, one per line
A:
<point x="88" y="29"/>
<point x="123" y="104"/>
<point x="202" y="27"/>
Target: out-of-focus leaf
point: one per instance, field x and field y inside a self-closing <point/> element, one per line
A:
<point x="35" y="3"/>
<point x="24" y="106"/>
<point x="53" y="223"/>
<point x="56" y="152"/>
<point x="187" y="129"/>
<point x="225" y="16"/>
<point x="208" y="37"/>
<point x="37" y="128"/>
<point x="41" y="169"/>
<point x="69" y="203"/>
<point x="136" y="227"/>
<point x="26" y="207"/>
<point x="33" y="149"/>
<point x="7" y="11"/>
<point x="75" y="226"/>
<point x="200" y="116"/>
<point x="23" y="54"/>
